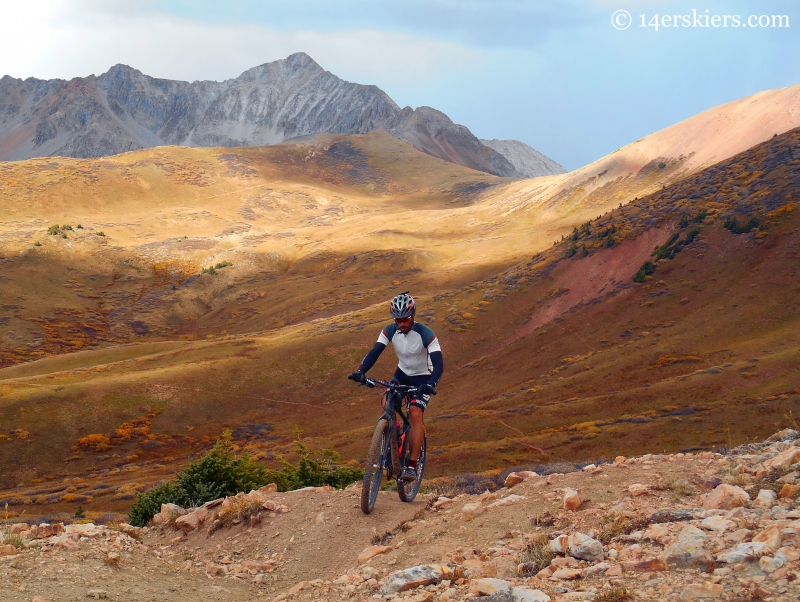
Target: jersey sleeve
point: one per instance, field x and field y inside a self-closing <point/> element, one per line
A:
<point x="387" y="334"/>
<point x="434" y="345"/>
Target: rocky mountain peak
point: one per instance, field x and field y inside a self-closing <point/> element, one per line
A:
<point x="124" y="109"/>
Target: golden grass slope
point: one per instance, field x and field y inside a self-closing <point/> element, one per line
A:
<point x="548" y="357"/>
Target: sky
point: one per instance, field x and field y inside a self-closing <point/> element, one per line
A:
<point x="575" y="79"/>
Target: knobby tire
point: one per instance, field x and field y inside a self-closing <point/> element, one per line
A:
<point x="373" y="472"/>
<point x="408" y="491"/>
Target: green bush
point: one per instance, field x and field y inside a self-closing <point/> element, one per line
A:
<point x="684" y="221"/>
<point x="648" y="269"/>
<point x="219" y="473"/>
<point x="733" y="225"/>
<point x="66" y="227"/>
<point x="54" y="230"/>
<point x="314" y="469"/>
<point x="572" y="250"/>
<point x="610" y="242"/>
<point x="99" y="233"/>
<point x="701" y="216"/>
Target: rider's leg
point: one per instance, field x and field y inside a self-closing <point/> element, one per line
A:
<point x="417" y="432"/>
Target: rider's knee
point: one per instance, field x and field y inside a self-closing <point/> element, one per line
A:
<point x="415" y="415"/>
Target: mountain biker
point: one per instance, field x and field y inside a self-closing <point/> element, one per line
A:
<point x="420" y="365"/>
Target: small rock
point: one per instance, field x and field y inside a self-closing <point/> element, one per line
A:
<point x="789" y="490"/>
<point x="567" y="574"/>
<point x="442" y="501"/>
<point x="572" y="500"/>
<point x="771" y="537"/>
<point x="784" y="459"/>
<point x="410" y="578"/>
<point x="192" y="520"/>
<point x="269" y="488"/>
<point x="99" y="594"/>
<point x="38" y="599"/>
<point x="595" y="569"/>
<point x="717" y="524"/>
<point x="638" y="489"/>
<point x="702" y="591"/>
<point x="489" y="586"/>
<point x="509" y="499"/>
<point x="726" y="497"/>
<point x="705" y="482"/>
<point x="7" y="550"/>
<point x="472" y="510"/>
<point x="765" y="499"/>
<point x="560" y="544"/>
<point x="44" y="530"/>
<point x="298" y="588"/>
<point x="688" y="549"/>
<point x="371" y="552"/>
<point x="770" y="564"/>
<point x="584" y="547"/>
<point x="526" y="594"/>
<point x="744" y="552"/>
<point x="567" y="561"/>
<point x="649" y="564"/>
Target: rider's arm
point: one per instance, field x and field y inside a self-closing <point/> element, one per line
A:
<point x="372" y="357"/>
<point x="438" y="368"/>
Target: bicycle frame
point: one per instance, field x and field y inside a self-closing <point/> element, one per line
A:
<point x="394" y="395"/>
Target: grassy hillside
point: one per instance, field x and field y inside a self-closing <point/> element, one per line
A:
<point x="551" y="351"/>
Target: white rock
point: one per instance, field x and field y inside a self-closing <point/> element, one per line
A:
<point x="510" y="499"/>
<point x="766" y="499"/>
<point x="584" y="547"/>
<point x="717" y="524"/>
<point x="744" y="552"/>
<point x="526" y="594"/>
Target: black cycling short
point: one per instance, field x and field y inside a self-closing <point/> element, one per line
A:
<point x="419" y="401"/>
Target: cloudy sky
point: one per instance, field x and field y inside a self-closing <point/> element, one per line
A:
<point x="556" y="75"/>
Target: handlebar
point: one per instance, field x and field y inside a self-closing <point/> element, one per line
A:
<point x="373" y="382"/>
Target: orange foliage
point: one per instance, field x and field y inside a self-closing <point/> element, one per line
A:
<point x="95" y="442"/>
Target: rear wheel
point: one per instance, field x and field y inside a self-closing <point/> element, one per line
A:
<point x="373" y="471"/>
<point x="407" y="490"/>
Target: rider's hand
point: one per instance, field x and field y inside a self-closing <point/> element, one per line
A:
<point x="426" y="390"/>
<point x="358" y="376"/>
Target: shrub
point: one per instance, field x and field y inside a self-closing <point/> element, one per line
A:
<point x="572" y="251"/>
<point x="701" y="216"/>
<point x="219" y="473"/>
<point x="95" y="442"/>
<point x="79" y="513"/>
<point x="610" y="242"/>
<point x="314" y="469"/>
<point x="684" y="221"/>
<point x="733" y="225"/>
<point x="37" y="244"/>
<point x="54" y="230"/>
<point x="66" y="227"/>
<point x="99" y="233"/>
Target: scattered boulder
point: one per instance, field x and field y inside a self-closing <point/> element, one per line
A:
<point x="638" y="489"/>
<point x="689" y="549"/>
<point x="489" y="586"/>
<point x="770" y="536"/>
<point x="43" y="530"/>
<point x="766" y="499"/>
<point x="371" y="552"/>
<point x="168" y="512"/>
<point x="726" y="497"/>
<point x="7" y="550"/>
<point x="526" y="594"/>
<point x="472" y="510"/>
<point x="572" y="500"/>
<point x="567" y="574"/>
<point x="744" y="552"/>
<point x="410" y="578"/>
<point x="718" y="524"/>
<point x="584" y="547"/>
<point x="784" y="459"/>
<point x="515" y="478"/>
<point x="192" y="520"/>
<point x="789" y="490"/>
<point x="269" y="488"/>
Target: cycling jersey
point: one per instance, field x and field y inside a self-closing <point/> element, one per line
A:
<point x="413" y="349"/>
<point x="418" y="352"/>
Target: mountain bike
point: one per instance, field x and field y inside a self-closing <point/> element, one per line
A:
<point x="389" y="449"/>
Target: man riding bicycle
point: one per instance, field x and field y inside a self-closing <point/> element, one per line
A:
<point x="420" y="365"/>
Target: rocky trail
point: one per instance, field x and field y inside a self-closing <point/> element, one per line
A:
<point x="658" y="527"/>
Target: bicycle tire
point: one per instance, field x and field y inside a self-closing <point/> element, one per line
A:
<point x="373" y="471"/>
<point x="408" y="491"/>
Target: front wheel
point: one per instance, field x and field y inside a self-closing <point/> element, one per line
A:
<point x="373" y="471"/>
<point x="407" y="490"/>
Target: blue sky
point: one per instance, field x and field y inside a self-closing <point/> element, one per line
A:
<point x="556" y="75"/>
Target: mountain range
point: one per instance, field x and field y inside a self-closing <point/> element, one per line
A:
<point x="124" y="109"/>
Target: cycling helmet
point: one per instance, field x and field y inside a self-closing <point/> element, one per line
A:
<point x="402" y="306"/>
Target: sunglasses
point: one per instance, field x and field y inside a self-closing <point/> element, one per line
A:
<point x="403" y="320"/>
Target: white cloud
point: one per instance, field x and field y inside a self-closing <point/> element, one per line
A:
<point x="57" y="38"/>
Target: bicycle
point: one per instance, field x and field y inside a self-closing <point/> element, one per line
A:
<point x="389" y="450"/>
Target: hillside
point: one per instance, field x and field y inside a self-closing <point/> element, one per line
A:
<point x="548" y="357"/>
<point x="123" y="110"/>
